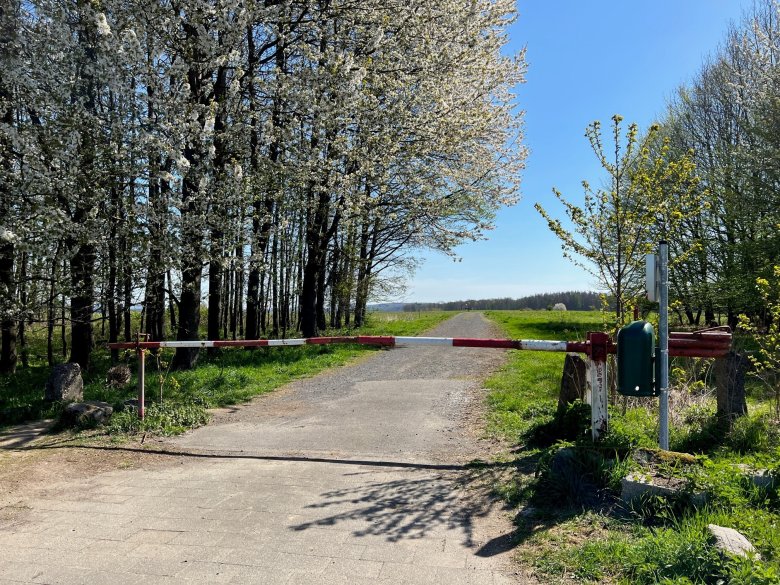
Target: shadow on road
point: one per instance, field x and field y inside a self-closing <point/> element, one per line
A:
<point x="428" y="501"/>
<point x="413" y="508"/>
<point x="261" y="457"/>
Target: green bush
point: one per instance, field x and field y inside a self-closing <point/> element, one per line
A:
<point x="752" y="433"/>
<point x="159" y="418"/>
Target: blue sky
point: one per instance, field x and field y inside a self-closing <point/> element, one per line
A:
<point x="587" y="61"/>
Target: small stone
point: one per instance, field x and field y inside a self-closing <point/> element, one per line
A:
<point x="86" y="414"/>
<point x="730" y="541"/>
<point x="763" y="479"/>
<point x="65" y="384"/>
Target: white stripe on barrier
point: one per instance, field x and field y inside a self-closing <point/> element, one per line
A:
<point x="280" y="342"/>
<point x="176" y="344"/>
<point x="424" y="340"/>
<point x="542" y="345"/>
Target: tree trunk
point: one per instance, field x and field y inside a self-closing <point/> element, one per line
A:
<point x="192" y="271"/>
<point x="8" y="355"/>
<point x="24" y="301"/>
<point x="51" y="309"/>
<point x="8" y="330"/>
<point x="63" y="318"/>
<point x="171" y="302"/>
<point x="113" y="321"/>
<point x="730" y="381"/>
<point x="321" y="286"/>
<point x="82" y="266"/>
<point x="192" y="267"/>
<point x="154" y="297"/>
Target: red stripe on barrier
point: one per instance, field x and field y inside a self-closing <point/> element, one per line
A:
<point x="328" y="340"/>
<point x="698" y="344"/>
<point x="578" y="347"/>
<point x="700" y="353"/>
<point x="494" y="343"/>
<point x="710" y="338"/>
<point x="376" y="340"/>
<point x="134" y="345"/>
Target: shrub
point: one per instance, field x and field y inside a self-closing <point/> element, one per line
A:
<point x="752" y="433"/>
<point x="160" y="418"/>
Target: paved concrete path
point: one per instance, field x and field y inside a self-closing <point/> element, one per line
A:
<point x="354" y="476"/>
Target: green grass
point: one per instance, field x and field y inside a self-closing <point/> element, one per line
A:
<point x="525" y="390"/>
<point x="566" y="538"/>
<point x="230" y="377"/>
<point x="403" y="323"/>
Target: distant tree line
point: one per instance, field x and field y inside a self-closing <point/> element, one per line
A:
<point x="574" y="301"/>
<point x="268" y="165"/>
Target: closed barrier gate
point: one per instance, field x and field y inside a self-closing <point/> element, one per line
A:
<point x="710" y="343"/>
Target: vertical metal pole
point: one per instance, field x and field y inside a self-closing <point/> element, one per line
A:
<point x="663" y="338"/>
<point x="141" y="382"/>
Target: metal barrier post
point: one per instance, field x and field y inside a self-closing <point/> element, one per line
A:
<point x="598" y="389"/>
<point x="141" y="382"/>
<point x="663" y="339"/>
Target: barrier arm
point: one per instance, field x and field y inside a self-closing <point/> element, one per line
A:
<point x="597" y="347"/>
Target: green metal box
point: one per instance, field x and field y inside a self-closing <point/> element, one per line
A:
<point x="635" y="360"/>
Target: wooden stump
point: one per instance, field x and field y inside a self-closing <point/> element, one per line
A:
<point x="573" y="381"/>
<point x="730" y="379"/>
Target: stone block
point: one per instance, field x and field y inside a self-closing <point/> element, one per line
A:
<point x="65" y="384"/>
<point x="636" y="486"/>
<point x="86" y="414"/>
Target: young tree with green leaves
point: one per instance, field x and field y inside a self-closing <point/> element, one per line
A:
<point x="646" y="196"/>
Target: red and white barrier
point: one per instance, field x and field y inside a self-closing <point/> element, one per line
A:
<point x="711" y="345"/>
<point x="708" y="343"/>
<point x="383" y="340"/>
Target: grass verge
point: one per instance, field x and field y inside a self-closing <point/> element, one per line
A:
<point x="571" y="525"/>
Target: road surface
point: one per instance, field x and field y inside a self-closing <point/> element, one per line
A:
<point x="357" y="475"/>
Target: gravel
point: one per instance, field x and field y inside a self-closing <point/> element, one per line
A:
<point x="410" y="404"/>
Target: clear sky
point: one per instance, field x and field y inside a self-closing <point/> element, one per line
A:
<point x="587" y="61"/>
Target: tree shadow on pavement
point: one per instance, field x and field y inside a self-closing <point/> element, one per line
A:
<point x="427" y="500"/>
<point x="416" y="507"/>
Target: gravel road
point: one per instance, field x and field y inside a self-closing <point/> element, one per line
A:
<point x="410" y="404"/>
